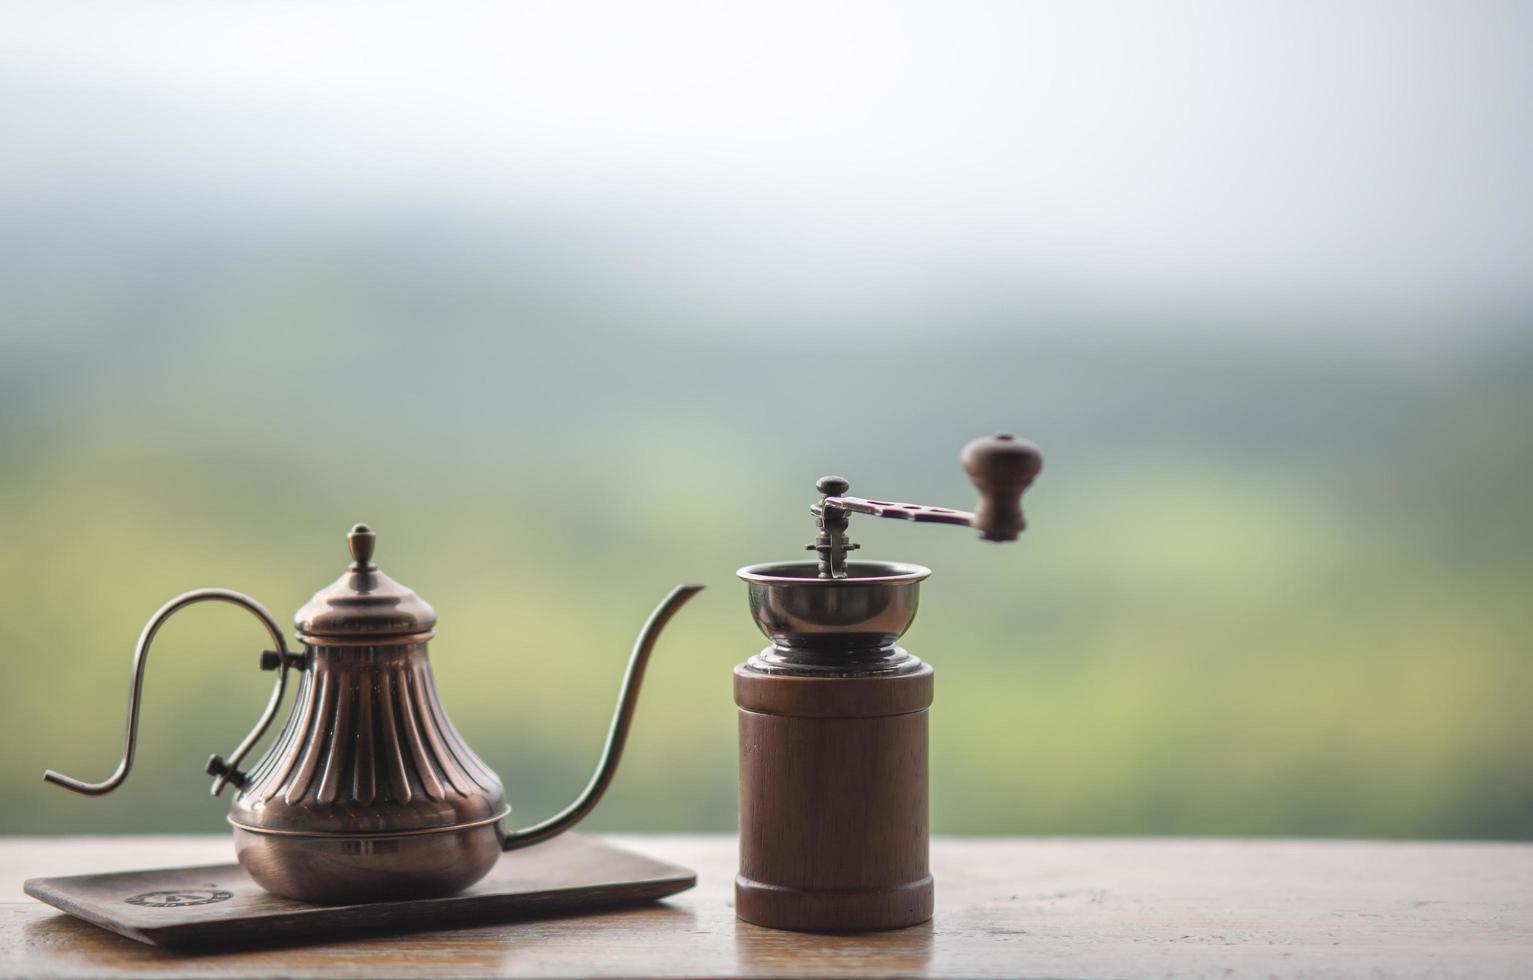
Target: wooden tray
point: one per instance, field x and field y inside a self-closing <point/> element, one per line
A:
<point x="218" y="905"/>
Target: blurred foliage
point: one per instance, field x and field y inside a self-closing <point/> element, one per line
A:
<point x="1272" y="586"/>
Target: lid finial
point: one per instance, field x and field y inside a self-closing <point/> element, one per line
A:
<point x="360" y="541"/>
<point x="365" y="603"/>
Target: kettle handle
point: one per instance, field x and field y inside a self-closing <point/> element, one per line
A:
<point x="617" y="735"/>
<point x="223" y="772"/>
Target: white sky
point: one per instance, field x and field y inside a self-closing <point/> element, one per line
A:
<point x="1353" y="156"/>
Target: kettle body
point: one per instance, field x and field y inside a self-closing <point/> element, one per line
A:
<point x="368" y="792"/>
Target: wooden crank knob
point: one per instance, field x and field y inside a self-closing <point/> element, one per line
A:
<point x="1002" y="467"/>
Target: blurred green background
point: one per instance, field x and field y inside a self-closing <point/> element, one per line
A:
<point x="1278" y="571"/>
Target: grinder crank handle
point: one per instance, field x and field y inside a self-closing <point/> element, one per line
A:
<point x="1002" y="467"/>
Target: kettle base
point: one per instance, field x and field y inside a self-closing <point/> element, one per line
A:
<point x="344" y="870"/>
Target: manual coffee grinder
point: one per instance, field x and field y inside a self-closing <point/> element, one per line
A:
<point x="833" y="715"/>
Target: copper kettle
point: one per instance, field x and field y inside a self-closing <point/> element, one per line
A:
<point x="369" y="792"/>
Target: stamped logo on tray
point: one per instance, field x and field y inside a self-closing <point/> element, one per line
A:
<point x="180" y="897"/>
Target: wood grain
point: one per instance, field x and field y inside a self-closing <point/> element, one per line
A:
<point x="1005" y="907"/>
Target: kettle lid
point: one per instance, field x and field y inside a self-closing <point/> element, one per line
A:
<point x="364" y="604"/>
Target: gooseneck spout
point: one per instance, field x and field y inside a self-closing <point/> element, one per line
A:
<point x="617" y="735"/>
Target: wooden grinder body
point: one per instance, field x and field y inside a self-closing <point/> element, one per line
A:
<point x="833" y="800"/>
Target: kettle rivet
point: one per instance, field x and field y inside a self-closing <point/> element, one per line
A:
<point x="272" y="659"/>
<point x="218" y="767"/>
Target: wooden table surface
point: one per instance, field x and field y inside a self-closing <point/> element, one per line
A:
<point x="1005" y="907"/>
